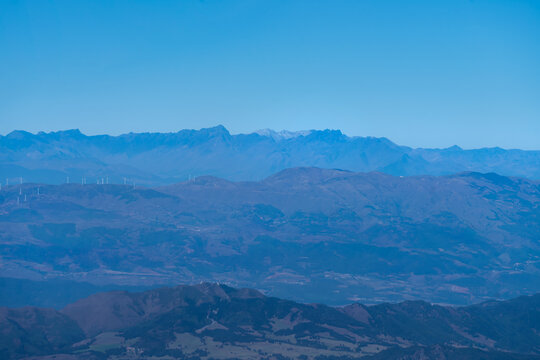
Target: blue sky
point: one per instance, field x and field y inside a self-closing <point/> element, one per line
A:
<point x="422" y="73"/>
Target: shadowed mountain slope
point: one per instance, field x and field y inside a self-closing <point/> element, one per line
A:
<point x="210" y="321"/>
<point x="35" y="331"/>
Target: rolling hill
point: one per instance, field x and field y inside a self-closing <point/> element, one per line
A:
<point x="307" y="234"/>
<point x="211" y="321"/>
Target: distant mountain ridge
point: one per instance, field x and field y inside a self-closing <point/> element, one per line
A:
<point x="164" y="158"/>
<point x="212" y="321"/>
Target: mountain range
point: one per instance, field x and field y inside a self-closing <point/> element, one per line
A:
<point x="306" y="234"/>
<point x="406" y="247"/>
<point x="166" y="158"/>
<point x="212" y="321"/>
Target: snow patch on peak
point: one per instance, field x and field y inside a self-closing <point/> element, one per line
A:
<point x="283" y="134"/>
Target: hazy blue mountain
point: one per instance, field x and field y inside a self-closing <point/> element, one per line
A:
<point x="211" y="321"/>
<point x="164" y="158"/>
<point x="307" y="234"/>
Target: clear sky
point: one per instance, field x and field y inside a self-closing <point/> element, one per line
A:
<point x="422" y="73"/>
